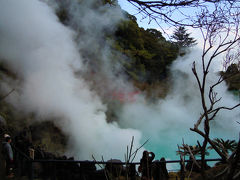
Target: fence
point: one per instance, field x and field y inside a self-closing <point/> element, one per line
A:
<point x="72" y="169"/>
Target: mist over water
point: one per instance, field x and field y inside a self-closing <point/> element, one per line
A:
<point x="52" y="61"/>
<point x="168" y="121"/>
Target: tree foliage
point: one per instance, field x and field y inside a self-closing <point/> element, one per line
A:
<point x="232" y="77"/>
<point x="148" y="51"/>
<point x="148" y="54"/>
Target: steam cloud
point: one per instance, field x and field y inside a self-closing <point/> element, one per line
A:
<point x="169" y="120"/>
<point x="46" y="57"/>
<point x="42" y="52"/>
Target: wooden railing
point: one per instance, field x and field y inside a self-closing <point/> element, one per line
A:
<point x="52" y="168"/>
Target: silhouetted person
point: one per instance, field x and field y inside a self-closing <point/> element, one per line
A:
<point x="159" y="170"/>
<point x="8" y="156"/>
<point x="145" y="165"/>
<point x="163" y="169"/>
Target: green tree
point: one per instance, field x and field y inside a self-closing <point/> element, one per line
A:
<point x="182" y="38"/>
<point x="149" y="52"/>
<point x="111" y="2"/>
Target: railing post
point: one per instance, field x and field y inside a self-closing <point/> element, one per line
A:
<point x="18" y="173"/>
<point x="132" y="171"/>
<point x="54" y="171"/>
<point x="31" y="170"/>
<point x="80" y="169"/>
<point x="53" y="168"/>
<point x="182" y="170"/>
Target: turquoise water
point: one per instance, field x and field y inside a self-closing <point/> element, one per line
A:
<point x="168" y="150"/>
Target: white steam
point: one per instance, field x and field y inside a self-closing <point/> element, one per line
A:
<point x="42" y="52"/>
<point x="169" y="120"/>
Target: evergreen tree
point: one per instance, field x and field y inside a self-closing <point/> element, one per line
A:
<point x="182" y="38"/>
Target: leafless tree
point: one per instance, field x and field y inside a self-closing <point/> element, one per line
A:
<point x="219" y="38"/>
<point x="185" y="12"/>
<point x="218" y="22"/>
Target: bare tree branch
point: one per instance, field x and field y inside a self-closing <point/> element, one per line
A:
<point x="192" y="156"/>
<point x="6" y="95"/>
<point x="222" y="155"/>
<point x="176" y="12"/>
<point x="236" y="175"/>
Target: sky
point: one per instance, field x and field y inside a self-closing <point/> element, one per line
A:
<point x="142" y="22"/>
<point x="177" y="15"/>
<point x="145" y="22"/>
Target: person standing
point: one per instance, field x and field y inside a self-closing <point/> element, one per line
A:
<point x="8" y="155"/>
<point x="146" y="165"/>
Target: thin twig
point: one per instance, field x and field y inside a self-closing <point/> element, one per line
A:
<point x="135" y="152"/>
<point x="1" y="98"/>
<point x="192" y="156"/>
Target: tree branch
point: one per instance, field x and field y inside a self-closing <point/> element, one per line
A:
<point x="222" y="155"/>
<point x="6" y="95"/>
